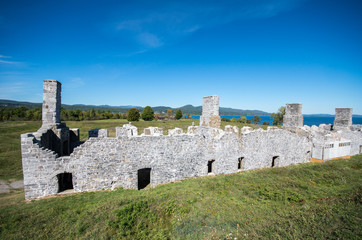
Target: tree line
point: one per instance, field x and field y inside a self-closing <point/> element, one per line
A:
<point x="133" y="114"/>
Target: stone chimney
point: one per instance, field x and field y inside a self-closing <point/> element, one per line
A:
<point x="343" y="117"/>
<point x="51" y="102"/>
<point x="210" y="112"/>
<point x="293" y="115"/>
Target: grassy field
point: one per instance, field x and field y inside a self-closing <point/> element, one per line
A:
<point x="307" y="201"/>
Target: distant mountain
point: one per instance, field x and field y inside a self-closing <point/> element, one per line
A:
<point x="187" y="109"/>
<point x="13" y="104"/>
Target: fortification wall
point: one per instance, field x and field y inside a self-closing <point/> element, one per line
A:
<point x="356" y="140"/>
<point x="104" y="163"/>
<point x="259" y="147"/>
<point x="40" y="166"/>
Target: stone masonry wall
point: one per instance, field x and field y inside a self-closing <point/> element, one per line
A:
<point x="356" y="140"/>
<point x="260" y="146"/>
<point x="113" y="162"/>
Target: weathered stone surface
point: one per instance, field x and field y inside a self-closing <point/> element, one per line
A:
<point x="175" y="131"/>
<point x="293" y="115"/>
<point x="17" y="184"/>
<point x="210" y="112"/>
<point x="343" y="117"/>
<point x="51" y="102"/>
<point x="152" y="131"/>
<point x="98" y="133"/>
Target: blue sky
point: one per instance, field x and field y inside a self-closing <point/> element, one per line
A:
<point x="253" y="54"/>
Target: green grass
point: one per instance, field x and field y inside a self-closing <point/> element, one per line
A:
<point x="10" y="152"/>
<point x="307" y="201"/>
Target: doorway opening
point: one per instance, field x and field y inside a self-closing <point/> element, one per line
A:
<point x="144" y="178"/>
<point x="308" y="156"/>
<point x="240" y="163"/>
<point x="275" y="161"/>
<point x="65" y="181"/>
<point x="210" y="167"/>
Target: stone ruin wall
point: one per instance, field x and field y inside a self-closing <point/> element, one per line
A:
<point x="259" y="147"/>
<point x="106" y="163"/>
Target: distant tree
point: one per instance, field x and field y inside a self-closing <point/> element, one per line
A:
<point x="178" y="114"/>
<point x="248" y="121"/>
<point x="256" y="119"/>
<point x="225" y="120"/>
<point x="148" y="114"/>
<point x="169" y="113"/>
<point x="266" y="123"/>
<point x="133" y="115"/>
<point x="242" y="119"/>
<point x="278" y="117"/>
<point x="92" y="114"/>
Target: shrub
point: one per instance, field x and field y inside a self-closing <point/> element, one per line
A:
<point x="148" y="114"/>
<point x="225" y="119"/>
<point x="178" y="114"/>
<point x="133" y="115"/>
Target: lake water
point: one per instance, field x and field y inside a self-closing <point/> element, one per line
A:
<point x="307" y="120"/>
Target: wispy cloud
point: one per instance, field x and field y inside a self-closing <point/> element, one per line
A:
<point x="7" y="90"/>
<point x="167" y="22"/>
<point x="75" y="82"/>
<point x="2" y="57"/>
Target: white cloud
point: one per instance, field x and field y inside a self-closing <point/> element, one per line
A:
<point x="149" y="40"/>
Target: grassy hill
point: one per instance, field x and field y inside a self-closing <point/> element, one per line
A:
<point x="307" y="201"/>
